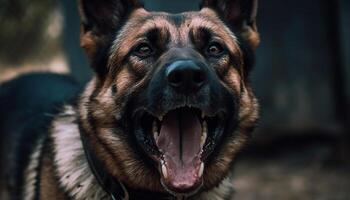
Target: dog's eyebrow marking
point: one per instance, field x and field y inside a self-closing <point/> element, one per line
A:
<point x="134" y="31"/>
<point x="200" y="35"/>
<point x="215" y="26"/>
<point x="157" y="35"/>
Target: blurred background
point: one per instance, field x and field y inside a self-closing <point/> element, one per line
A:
<point x="301" y="149"/>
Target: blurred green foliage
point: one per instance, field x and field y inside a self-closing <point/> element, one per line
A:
<point x="22" y="24"/>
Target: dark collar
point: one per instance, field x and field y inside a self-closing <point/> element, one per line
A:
<point x="112" y="186"/>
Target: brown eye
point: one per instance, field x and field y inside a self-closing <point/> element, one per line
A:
<point x="143" y="50"/>
<point x="215" y="49"/>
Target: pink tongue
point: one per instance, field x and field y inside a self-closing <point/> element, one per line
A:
<point x="179" y="141"/>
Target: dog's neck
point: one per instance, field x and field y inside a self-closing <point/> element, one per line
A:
<point x="74" y="172"/>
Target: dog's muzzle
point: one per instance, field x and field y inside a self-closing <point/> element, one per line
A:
<point x="180" y="120"/>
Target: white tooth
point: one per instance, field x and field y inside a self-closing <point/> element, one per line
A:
<point x="164" y="171"/>
<point x="160" y="118"/>
<point x="154" y="128"/>
<point x="203" y="115"/>
<point x="204" y="133"/>
<point x="155" y="135"/>
<point x="205" y="126"/>
<point x="203" y="138"/>
<point x="201" y="170"/>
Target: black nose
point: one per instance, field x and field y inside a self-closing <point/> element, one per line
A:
<point x="186" y="76"/>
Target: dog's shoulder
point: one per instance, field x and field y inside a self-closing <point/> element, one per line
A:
<point x="27" y="106"/>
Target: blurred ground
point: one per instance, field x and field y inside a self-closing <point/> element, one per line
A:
<point x="306" y="172"/>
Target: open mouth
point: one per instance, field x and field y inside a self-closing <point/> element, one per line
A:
<point x="179" y="142"/>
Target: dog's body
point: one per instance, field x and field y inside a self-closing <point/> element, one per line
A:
<point x="164" y="117"/>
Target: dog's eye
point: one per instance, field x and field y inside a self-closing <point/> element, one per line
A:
<point x="215" y="49"/>
<point x="143" y="50"/>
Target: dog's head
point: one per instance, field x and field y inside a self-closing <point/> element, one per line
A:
<point x="171" y="104"/>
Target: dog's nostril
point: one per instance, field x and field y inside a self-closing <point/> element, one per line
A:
<point x="175" y="78"/>
<point x="199" y="77"/>
<point x="185" y="76"/>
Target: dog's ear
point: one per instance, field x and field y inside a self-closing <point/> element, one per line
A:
<point x="240" y="14"/>
<point x="100" y="20"/>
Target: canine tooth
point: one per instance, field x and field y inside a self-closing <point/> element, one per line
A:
<point x="203" y="114"/>
<point x="201" y="170"/>
<point x="203" y="138"/>
<point x="154" y="127"/>
<point x="155" y="130"/>
<point x="155" y="135"/>
<point x="205" y="126"/>
<point x="164" y="171"/>
<point x="204" y="133"/>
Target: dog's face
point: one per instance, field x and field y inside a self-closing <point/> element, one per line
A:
<point x="171" y="105"/>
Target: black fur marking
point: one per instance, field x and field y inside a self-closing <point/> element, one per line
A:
<point x="27" y="107"/>
<point x="114" y="89"/>
<point x="248" y="57"/>
<point x="99" y="63"/>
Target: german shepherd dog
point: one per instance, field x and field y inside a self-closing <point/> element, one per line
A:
<point x="164" y="117"/>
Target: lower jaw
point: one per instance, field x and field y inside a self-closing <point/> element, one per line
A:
<point x="187" y="193"/>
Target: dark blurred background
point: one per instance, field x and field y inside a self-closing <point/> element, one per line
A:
<point x="301" y="149"/>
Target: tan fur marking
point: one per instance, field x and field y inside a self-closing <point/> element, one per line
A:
<point x="88" y="42"/>
<point x="49" y="186"/>
<point x="219" y="169"/>
<point x="249" y="109"/>
<point x="84" y="99"/>
<point x="252" y="37"/>
<point x="123" y="79"/>
<point x="233" y="79"/>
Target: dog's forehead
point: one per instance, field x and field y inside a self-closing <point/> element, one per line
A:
<point x="185" y="18"/>
<point x="178" y="25"/>
<point x="173" y="29"/>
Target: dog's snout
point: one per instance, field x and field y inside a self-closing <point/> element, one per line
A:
<point x="186" y="76"/>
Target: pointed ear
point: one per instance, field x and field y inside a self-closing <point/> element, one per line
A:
<point x="100" y="20"/>
<point x="240" y="14"/>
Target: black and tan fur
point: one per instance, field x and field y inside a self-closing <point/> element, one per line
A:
<point x="111" y="31"/>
